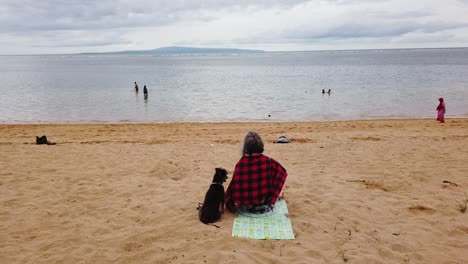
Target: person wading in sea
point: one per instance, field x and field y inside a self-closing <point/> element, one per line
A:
<point x="145" y="92"/>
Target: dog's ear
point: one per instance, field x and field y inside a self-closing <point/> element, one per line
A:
<point x="221" y="171"/>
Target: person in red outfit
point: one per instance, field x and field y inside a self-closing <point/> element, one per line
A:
<point x="136" y="87"/>
<point x="441" y="110"/>
<point x="257" y="180"/>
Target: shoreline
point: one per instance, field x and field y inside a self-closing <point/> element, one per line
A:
<point x="368" y="191"/>
<point x="240" y="122"/>
<point x="256" y="120"/>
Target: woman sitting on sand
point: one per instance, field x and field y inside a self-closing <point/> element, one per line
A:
<point x="257" y="180"/>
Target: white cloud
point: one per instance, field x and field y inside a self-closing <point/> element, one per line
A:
<point x="30" y="26"/>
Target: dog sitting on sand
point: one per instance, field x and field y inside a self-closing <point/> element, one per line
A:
<point x="213" y="205"/>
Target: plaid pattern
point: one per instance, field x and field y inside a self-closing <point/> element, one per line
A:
<point x="257" y="179"/>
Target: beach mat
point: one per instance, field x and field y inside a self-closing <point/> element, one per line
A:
<point x="276" y="226"/>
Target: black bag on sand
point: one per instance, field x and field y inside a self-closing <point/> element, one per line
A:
<point x="41" y="140"/>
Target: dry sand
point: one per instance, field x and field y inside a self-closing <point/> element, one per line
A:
<point x="357" y="192"/>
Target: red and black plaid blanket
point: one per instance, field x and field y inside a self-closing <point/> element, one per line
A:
<point x="257" y="179"/>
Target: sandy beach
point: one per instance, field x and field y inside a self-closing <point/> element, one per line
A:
<point x="380" y="191"/>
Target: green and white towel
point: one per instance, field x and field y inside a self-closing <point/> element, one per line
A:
<point x="276" y="226"/>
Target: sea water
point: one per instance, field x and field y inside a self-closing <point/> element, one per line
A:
<point x="270" y="86"/>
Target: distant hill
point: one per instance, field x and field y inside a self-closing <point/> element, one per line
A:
<point x="176" y="50"/>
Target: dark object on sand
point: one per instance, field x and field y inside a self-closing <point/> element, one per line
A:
<point x="213" y="205"/>
<point x="283" y="139"/>
<point x="449" y="182"/>
<point x="43" y="140"/>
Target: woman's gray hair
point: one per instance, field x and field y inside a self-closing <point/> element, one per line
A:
<point x="252" y="144"/>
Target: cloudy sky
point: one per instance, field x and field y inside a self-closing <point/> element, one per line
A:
<point x="71" y="26"/>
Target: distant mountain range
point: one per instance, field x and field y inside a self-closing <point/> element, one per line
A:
<point x="176" y="50"/>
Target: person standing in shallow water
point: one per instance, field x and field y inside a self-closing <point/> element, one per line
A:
<point x="145" y="91"/>
<point x="136" y="87"/>
<point x="441" y="110"/>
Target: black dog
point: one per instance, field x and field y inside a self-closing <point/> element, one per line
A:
<point x="213" y="205"/>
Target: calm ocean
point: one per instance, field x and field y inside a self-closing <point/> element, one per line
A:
<point x="235" y="87"/>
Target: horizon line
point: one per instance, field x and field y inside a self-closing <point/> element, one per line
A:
<point x="260" y="50"/>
